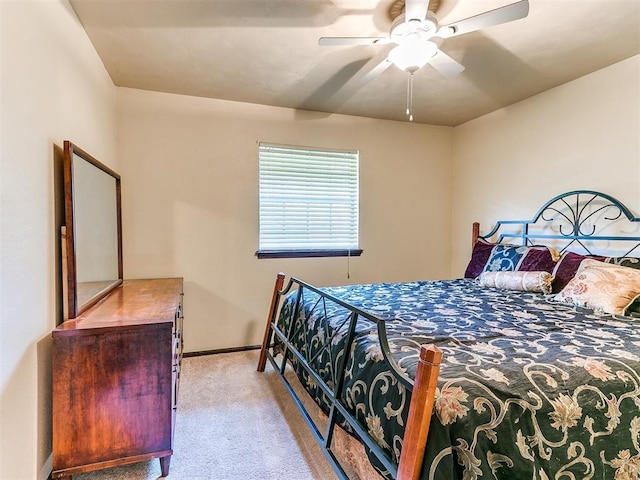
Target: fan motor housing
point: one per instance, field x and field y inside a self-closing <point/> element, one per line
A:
<point x="422" y="29"/>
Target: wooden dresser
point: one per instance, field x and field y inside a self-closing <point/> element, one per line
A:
<point x="116" y="370"/>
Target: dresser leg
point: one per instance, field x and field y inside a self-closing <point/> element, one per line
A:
<point x="164" y="465"/>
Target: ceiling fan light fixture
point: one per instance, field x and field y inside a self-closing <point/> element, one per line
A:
<point x="412" y="33"/>
<point x="411" y="56"/>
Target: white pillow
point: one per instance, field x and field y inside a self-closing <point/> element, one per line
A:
<point x="526" y="281"/>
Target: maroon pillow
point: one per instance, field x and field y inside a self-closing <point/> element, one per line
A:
<point x="538" y="259"/>
<point x="566" y="268"/>
<point x="479" y="257"/>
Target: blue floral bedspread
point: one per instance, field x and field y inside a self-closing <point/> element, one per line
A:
<point x="528" y="388"/>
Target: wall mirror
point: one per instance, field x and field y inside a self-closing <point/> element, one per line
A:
<point x="93" y="230"/>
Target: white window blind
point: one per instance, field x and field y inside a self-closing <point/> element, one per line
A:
<point x="308" y="199"/>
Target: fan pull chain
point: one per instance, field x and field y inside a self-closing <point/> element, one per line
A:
<point x="408" y="112"/>
<point x="410" y="97"/>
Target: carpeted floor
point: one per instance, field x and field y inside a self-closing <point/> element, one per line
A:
<point x="233" y="423"/>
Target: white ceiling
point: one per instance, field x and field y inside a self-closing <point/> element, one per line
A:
<point x="266" y="52"/>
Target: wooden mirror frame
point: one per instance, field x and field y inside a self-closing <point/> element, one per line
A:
<point x="70" y="271"/>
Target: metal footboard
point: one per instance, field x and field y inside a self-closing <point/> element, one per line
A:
<point x="423" y="387"/>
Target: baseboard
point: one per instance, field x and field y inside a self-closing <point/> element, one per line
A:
<point x="221" y="350"/>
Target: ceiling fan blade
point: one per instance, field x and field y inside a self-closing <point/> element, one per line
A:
<point x="375" y="71"/>
<point x="505" y="14"/>
<point x="333" y="41"/>
<point x="415" y="9"/>
<point x="446" y="65"/>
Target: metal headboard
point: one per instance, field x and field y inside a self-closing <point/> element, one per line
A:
<point x="581" y="218"/>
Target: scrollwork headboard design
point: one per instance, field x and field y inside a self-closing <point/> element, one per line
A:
<point x="581" y="219"/>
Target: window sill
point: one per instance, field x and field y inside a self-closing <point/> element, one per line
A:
<point x="307" y="253"/>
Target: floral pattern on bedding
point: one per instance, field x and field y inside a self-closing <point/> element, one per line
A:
<point x="528" y="389"/>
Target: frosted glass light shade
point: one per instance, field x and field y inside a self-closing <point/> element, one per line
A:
<point x="411" y="56"/>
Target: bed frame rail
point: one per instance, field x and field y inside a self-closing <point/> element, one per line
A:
<point x="422" y="389"/>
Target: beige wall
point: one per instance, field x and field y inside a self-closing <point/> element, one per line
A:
<point x="53" y="87"/>
<point x="189" y="169"/>
<point x="582" y="135"/>
<point x="190" y="204"/>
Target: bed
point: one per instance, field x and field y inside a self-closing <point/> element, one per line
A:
<point x="458" y="379"/>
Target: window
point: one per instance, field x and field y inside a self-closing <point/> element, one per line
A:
<point x="308" y="202"/>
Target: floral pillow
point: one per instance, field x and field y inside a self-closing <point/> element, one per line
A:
<point x="602" y="286"/>
<point x="568" y="264"/>
<point x="539" y="282"/>
<point x="492" y="257"/>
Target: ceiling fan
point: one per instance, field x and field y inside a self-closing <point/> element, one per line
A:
<point x="413" y="33"/>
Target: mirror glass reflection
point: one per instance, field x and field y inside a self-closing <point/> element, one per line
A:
<point x="96" y="229"/>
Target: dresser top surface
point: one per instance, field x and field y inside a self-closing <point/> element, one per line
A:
<point x="135" y="302"/>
